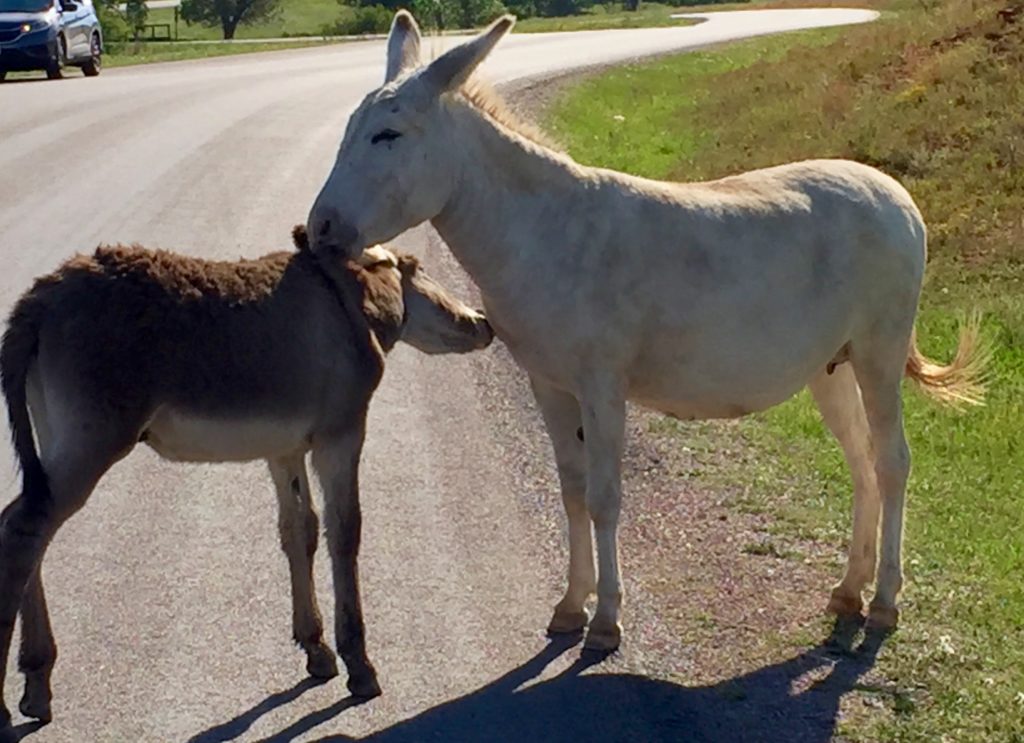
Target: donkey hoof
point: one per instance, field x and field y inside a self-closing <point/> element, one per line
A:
<point x="8" y="734"/>
<point x="882" y="617"/>
<point x="321" y="663"/>
<point x="844" y="605"/>
<point x="36" y="706"/>
<point x="364" y="686"/>
<point x="603" y="636"/>
<point x="566" y="622"/>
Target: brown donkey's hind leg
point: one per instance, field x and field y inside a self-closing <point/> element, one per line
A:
<point x="38" y="650"/>
<point x="299" y="530"/>
<point x="74" y="464"/>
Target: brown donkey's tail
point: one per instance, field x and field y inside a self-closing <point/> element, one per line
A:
<point x="962" y="381"/>
<point x="19" y="346"/>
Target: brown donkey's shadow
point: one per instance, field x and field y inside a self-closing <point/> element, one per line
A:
<point x="759" y="706"/>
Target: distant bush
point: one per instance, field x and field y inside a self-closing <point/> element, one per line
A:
<point x="365" y="19"/>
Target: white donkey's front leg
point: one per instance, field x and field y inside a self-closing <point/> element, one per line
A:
<point x="603" y="408"/>
<point x="562" y="417"/>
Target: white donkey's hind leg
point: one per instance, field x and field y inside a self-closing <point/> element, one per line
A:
<point x="879" y="368"/>
<point x="562" y="417"/>
<point x="838" y="398"/>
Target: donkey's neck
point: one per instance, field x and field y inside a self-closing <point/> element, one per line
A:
<point x="503" y="194"/>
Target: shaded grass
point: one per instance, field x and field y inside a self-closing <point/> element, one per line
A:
<point x="606" y="17"/>
<point x="931" y="94"/>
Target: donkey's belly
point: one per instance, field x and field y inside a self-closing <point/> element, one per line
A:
<point x="713" y="387"/>
<point x="181" y="437"/>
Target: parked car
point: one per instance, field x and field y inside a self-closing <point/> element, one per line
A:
<point x="49" y="35"/>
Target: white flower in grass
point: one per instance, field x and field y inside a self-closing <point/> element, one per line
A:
<point x="946" y="645"/>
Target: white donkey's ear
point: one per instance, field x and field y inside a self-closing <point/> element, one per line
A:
<point x="454" y="67"/>
<point x="403" y="45"/>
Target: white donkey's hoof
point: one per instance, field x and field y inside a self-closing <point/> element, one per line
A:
<point x="566" y="622"/>
<point x="603" y="635"/>
<point x="882" y="617"/>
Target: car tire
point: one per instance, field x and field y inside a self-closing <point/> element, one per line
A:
<point x="3" y="75"/>
<point x="55" y="67"/>
<point x="95" y="64"/>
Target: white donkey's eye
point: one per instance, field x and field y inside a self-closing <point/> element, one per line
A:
<point x="387" y="135"/>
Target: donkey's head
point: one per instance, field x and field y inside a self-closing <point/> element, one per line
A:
<point x="397" y="164"/>
<point x="432" y="320"/>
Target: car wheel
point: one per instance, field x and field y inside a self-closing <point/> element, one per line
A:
<point x="3" y="75"/>
<point x="92" y="67"/>
<point x="55" y="67"/>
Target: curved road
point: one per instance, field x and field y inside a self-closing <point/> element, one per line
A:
<point x="168" y="593"/>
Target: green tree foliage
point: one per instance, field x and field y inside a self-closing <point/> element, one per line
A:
<point x="113" y="23"/>
<point x="228" y="14"/>
<point x="135" y="14"/>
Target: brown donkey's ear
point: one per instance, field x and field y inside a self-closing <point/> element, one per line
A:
<point x="299" y="237"/>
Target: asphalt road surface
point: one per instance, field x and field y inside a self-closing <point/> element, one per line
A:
<point x="168" y="592"/>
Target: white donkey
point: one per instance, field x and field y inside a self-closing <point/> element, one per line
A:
<point x="700" y="300"/>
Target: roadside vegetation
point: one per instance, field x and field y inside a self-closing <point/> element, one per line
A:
<point x="932" y="94"/>
<point x="123" y="55"/>
<point x="201" y="20"/>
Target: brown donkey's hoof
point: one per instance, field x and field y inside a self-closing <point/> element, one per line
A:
<point x="321" y="663"/>
<point x="843" y="605"/>
<point x="882" y="617"/>
<point x="364" y="686"/>
<point x="36" y="709"/>
<point x="566" y="622"/>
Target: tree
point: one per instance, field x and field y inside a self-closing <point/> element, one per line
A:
<point x="136" y="13"/>
<point x="227" y="13"/>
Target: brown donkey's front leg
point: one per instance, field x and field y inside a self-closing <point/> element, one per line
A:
<point x="299" y="530"/>
<point x="336" y="460"/>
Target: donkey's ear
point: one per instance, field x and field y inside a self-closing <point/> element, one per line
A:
<point x="403" y="45"/>
<point x="454" y="67"/>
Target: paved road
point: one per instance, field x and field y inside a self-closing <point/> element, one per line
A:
<point x="168" y="594"/>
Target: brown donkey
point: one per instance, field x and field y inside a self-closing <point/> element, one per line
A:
<point x="208" y="362"/>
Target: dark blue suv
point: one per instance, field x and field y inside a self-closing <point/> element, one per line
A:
<point x="49" y="35"/>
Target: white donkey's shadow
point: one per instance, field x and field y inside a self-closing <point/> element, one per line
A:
<point x="758" y="706"/>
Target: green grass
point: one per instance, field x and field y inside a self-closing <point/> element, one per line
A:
<point x="296" y="18"/>
<point x="932" y="94"/>
<point x="122" y="55"/>
<point x="311" y="17"/>
<point x="605" y="17"/>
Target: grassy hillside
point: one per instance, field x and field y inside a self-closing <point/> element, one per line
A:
<point x="933" y="94"/>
